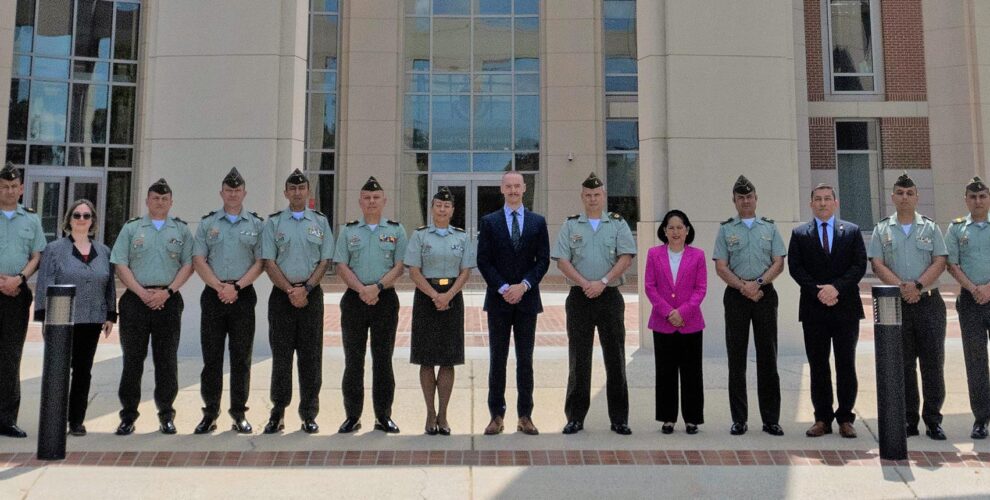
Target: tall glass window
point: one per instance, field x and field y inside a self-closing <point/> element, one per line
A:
<point x="321" y="102"/>
<point x="852" y="27"/>
<point x="621" y="96"/>
<point x="73" y="97"/>
<point x="858" y="162"/>
<point x="472" y="89"/>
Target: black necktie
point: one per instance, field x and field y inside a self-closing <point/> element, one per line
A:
<point x="515" y="230"/>
<point x="825" y="237"/>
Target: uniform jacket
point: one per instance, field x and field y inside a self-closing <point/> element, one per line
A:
<point x="684" y="294"/>
<point x="843" y="268"/>
<point x="501" y="264"/>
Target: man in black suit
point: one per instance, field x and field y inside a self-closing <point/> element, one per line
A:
<point x="827" y="258"/>
<point x="513" y="256"/>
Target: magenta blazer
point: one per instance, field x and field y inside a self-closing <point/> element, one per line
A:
<point x="685" y="296"/>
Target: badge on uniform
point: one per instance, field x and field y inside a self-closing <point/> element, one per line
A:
<point x="139" y="241"/>
<point x="576" y="238"/>
<point x="732" y="239"/>
<point x="387" y="238"/>
<point x="214" y="233"/>
<point x="427" y="248"/>
<point x="964" y="240"/>
<point x="315" y="231"/>
<point x="174" y="241"/>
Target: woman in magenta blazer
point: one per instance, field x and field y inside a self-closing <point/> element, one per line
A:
<point x="676" y="282"/>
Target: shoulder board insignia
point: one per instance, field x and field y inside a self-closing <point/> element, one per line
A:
<point x="132" y="220"/>
<point x="726" y="221"/>
<point x="276" y="214"/>
<point x="572" y="217"/>
<point x="256" y="216"/>
<point x="393" y="222"/>
<point x="29" y="210"/>
<point x="420" y="228"/>
<point x="209" y="214"/>
<point x="960" y="220"/>
<point x="764" y="219"/>
<point x="615" y="215"/>
<point x="352" y="223"/>
<point x="925" y="217"/>
<point x="176" y="219"/>
<point x="457" y="228"/>
<point x="317" y="212"/>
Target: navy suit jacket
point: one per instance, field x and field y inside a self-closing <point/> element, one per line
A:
<point x="500" y="263"/>
<point x="843" y="268"/>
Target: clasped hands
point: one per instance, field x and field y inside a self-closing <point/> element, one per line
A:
<point x="981" y="294"/>
<point x="227" y="293"/>
<point x="828" y="295"/>
<point x="514" y="293"/>
<point x="10" y="285"/>
<point x="751" y="290"/>
<point x="155" y="299"/>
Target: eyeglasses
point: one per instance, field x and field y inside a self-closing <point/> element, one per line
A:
<point x="83" y="216"/>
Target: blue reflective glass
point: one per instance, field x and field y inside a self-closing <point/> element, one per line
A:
<point x="90" y="70"/>
<point x="527" y="44"/>
<point x="451" y="122"/>
<point x="323" y="81"/>
<point x="322" y="121"/>
<point x="457" y="162"/>
<point x="451" y="83"/>
<point x="418" y="7"/>
<point x="54" y="34"/>
<point x="323" y="42"/>
<point x="418" y="82"/>
<point x="47" y="155"/>
<point x="492" y="123"/>
<point x="89" y="113"/>
<point x="493" y="84"/>
<point x="621" y="135"/>
<point x="49" y="106"/>
<point x="17" y="120"/>
<point x="527" y="83"/>
<point x="620" y="64"/>
<point x="457" y="7"/>
<point x="493" y="6"/>
<point x="621" y="84"/>
<point x="492" y="162"/>
<point x="323" y="6"/>
<point x="527" y="7"/>
<point x="417" y="44"/>
<point x="51" y="68"/>
<point x="22" y="66"/>
<point x="416" y="122"/>
<point x="24" y="26"/>
<point x="527" y="122"/>
<point x="620" y="9"/>
<point x="493" y="44"/>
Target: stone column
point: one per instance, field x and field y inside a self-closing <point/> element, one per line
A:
<point x="7" y="15"/>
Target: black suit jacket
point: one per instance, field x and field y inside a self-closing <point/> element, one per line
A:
<point x="810" y="266"/>
<point x="501" y="264"/>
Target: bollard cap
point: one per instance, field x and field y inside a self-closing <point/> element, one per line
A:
<point x="61" y="290"/>
<point x="880" y="291"/>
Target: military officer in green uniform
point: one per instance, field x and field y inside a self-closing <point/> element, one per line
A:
<point x="968" y="243"/>
<point x="593" y="251"/>
<point x="749" y="253"/>
<point x="369" y="257"/>
<point x="153" y="258"/>
<point x="227" y="256"/>
<point x="297" y="245"/>
<point x="21" y="241"/>
<point x="907" y="250"/>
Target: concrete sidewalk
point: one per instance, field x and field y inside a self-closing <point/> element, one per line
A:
<point x="593" y="464"/>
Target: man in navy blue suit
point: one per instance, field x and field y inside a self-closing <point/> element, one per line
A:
<point x="827" y="259"/>
<point x="513" y="256"/>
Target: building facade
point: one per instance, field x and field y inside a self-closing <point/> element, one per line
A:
<point x="667" y="100"/>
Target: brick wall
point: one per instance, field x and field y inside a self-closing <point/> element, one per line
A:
<point x="821" y="135"/>
<point x="903" y="50"/>
<point x="905" y="143"/>
<point x="813" y="49"/>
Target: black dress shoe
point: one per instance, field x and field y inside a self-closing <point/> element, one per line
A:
<point x="241" y="425"/>
<point x="309" y="426"/>
<point x="443" y="431"/>
<point x="77" y="430"/>
<point x="206" y="426"/>
<point x="573" y="427"/>
<point x="667" y="428"/>
<point x="979" y="431"/>
<point x="738" y="428"/>
<point x="621" y="429"/>
<point x="350" y="425"/>
<point x="275" y="425"/>
<point x="691" y="428"/>
<point x="126" y="428"/>
<point x="13" y="431"/>
<point x="167" y="426"/>
<point x="386" y="425"/>
<point x="773" y="429"/>
<point x="935" y="432"/>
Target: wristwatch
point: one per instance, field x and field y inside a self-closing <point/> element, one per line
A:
<point x="380" y="286"/>
<point x="237" y="287"/>
<point x="308" y="287"/>
<point x="918" y="285"/>
<point x="24" y="279"/>
<point x="605" y="280"/>
<point x="760" y="281"/>
<point x="170" y="291"/>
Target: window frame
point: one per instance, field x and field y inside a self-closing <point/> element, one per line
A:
<point x="876" y="32"/>
<point x="875" y="157"/>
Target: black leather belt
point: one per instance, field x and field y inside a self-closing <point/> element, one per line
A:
<point x="931" y="292"/>
<point x="441" y="281"/>
<point x="157" y="287"/>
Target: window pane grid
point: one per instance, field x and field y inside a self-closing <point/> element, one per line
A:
<point x="323" y="50"/>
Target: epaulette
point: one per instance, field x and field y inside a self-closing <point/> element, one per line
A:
<point x="352" y="223"/>
<point x="176" y="219"/>
<point x="276" y="214"/>
<point x="572" y="217"/>
<point x="317" y="212"/>
<point x="209" y="214"/>
<point x="420" y="228"/>
<point x="457" y="229"/>
<point x="726" y="221"/>
<point x="959" y="220"/>
<point x="256" y="216"/>
<point x="393" y="222"/>
<point x="615" y="215"/>
<point x="764" y="219"/>
<point x="29" y="210"/>
<point x="132" y="220"/>
<point x="927" y="218"/>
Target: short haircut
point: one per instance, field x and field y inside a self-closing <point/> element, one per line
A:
<point x="666" y="220"/>
<point x="824" y="186"/>
<point x="66" y="222"/>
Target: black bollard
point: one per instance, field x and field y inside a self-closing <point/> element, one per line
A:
<point x="890" y="372"/>
<point x="55" y="373"/>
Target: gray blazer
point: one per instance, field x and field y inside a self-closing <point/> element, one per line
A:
<point x="96" y="293"/>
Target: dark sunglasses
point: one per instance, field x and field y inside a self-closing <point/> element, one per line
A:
<point x="79" y="215"/>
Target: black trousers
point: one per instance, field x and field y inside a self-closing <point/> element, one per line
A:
<point x="292" y="330"/>
<point x="502" y="325"/>
<point x="85" y="337"/>
<point x="356" y="320"/>
<point x="14" y="313"/>
<point x="607" y="313"/>
<point x="821" y="340"/>
<point x="739" y="313"/>
<point x="923" y="331"/>
<point x="678" y="356"/>
<point x="138" y="325"/>
<point x="974" y="321"/>
<point x="219" y="321"/>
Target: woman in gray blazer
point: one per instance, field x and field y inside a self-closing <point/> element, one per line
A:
<point x="78" y="260"/>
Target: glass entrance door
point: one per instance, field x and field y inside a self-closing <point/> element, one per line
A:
<point x="474" y="197"/>
<point x="50" y="195"/>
